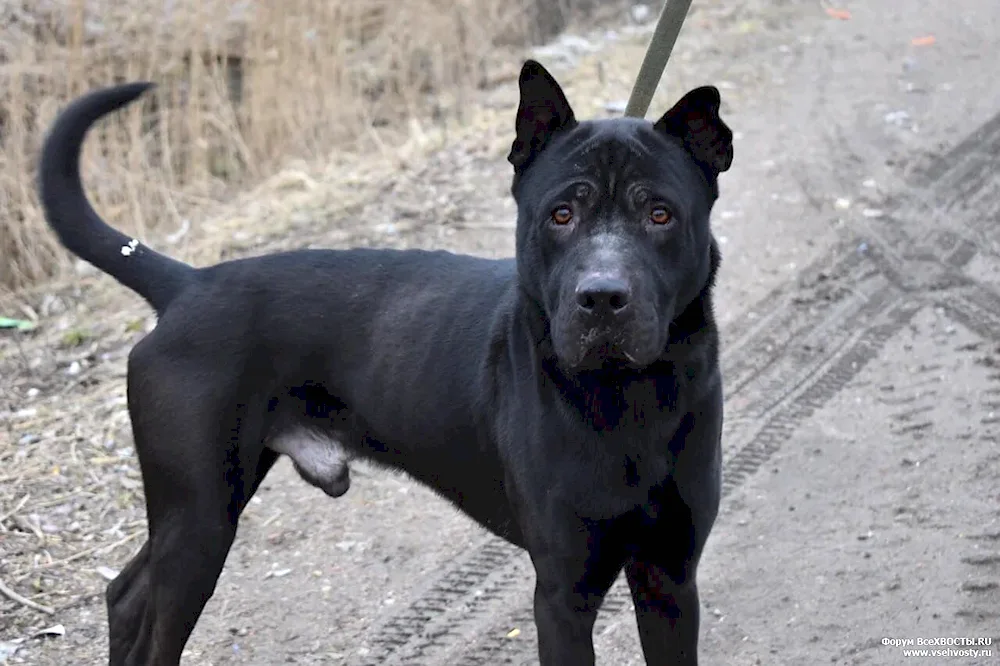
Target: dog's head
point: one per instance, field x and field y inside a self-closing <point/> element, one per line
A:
<point x="613" y="237"/>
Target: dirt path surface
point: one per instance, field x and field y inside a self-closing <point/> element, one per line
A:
<point x="860" y="305"/>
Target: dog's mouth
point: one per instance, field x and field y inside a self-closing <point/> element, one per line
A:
<point x="609" y="356"/>
<point x="608" y="351"/>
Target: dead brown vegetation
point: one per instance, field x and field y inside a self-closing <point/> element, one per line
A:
<point x="243" y="85"/>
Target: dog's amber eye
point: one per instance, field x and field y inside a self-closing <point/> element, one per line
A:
<point x="562" y="215"/>
<point x="660" y="215"/>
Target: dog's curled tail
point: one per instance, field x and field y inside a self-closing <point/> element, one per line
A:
<point x="155" y="277"/>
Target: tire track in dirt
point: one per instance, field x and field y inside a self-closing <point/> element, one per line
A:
<point x="773" y="352"/>
<point x="956" y="196"/>
<point x="976" y="151"/>
<point x="981" y="592"/>
<point x="978" y="309"/>
<point x="961" y="191"/>
<point x="924" y="409"/>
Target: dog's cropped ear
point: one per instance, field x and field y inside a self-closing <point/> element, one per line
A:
<point x="542" y="112"/>
<point x="695" y="121"/>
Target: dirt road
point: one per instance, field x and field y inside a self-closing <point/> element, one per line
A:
<point x="860" y="304"/>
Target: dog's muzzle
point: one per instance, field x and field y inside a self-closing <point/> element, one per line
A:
<point x="601" y="324"/>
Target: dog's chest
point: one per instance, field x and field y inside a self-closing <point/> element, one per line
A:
<point x="611" y="493"/>
<point x="597" y="475"/>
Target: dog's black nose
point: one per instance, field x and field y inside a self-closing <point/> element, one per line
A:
<point x="602" y="294"/>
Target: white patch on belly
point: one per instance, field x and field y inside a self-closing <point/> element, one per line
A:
<point x="321" y="460"/>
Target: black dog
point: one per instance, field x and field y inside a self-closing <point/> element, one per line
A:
<point x="569" y="400"/>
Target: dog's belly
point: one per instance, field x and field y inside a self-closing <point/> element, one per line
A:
<point x="319" y="458"/>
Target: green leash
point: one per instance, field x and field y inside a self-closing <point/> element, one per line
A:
<point x="668" y="26"/>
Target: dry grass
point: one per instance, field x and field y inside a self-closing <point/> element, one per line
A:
<point x="244" y="86"/>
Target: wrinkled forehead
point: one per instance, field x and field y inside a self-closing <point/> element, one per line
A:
<point x="614" y="154"/>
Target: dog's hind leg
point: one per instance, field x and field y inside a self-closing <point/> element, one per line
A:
<point x="202" y="459"/>
<point x="128" y="593"/>
<point x="126" y="602"/>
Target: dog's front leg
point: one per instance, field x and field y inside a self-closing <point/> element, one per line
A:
<point x="662" y="567"/>
<point x="667" y="610"/>
<point x="572" y="576"/>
